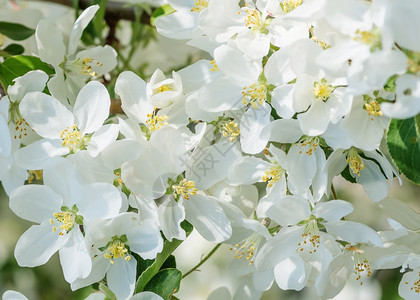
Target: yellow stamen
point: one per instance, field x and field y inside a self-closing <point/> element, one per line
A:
<point x="310" y="237"/>
<point x="254" y="94"/>
<point x="373" y="108"/>
<point x="199" y="5"/>
<point x="185" y="189"/>
<point x="289" y="5"/>
<point x="231" y="130"/>
<point x="272" y="175"/>
<point x="416" y="285"/>
<point x="72" y="138"/>
<point x="67" y="220"/>
<point x="322" y="90"/>
<point x="155" y="122"/>
<point x="115" y="250"/>
<point x="214" y="67"/>
<point x="355" y="161"/>
<point x="311" y="142"/>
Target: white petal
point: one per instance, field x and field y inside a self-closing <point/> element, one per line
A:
<point x="253" y="122"/>
<point x="279" y="248"/>
<point x="171" y="214"/>
<point x="132" y="91"/>
<point x="290" y="210"/>
<point x="37" y="245"/>
<point x="146" y="240"/>
<point x="46" y="115"/>
<point x="5" y="142"/>
<point x="12" y="295"/>
<point x="292" y="273"/>
<point x="62" y="176"/>
<point x="333" y="279"/>
<point x="119" y="152"/>
<point x="283" y="131"/>
<point x="232" y="62"/>
<point x="50" y="44"/>
<point x="74" y="257"/>
<point x="30" y="82"/>
<point x="373" y="181"/>
<point x="332" y="210"/>
<point x="35" y="203"/>
<point x="282" y="101"/>
<point x="210" y="165"/>
<point x="208" y="218"/>
<point x="82" y="21"/>
<point x="104" y="136"/>
<point x="401" y="212"/>
<point x="91" y="107"/>
<point x="247" y="170"/>
<point x="121" y="278"/>
<point x="100" y="200"/>
<point x="353" y="232"/>
<point x="36" y="155"/>
<point x="104" y="58"/>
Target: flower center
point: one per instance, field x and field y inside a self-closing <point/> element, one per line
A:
<point x="322" y="90"/>
<point x="272" y="175"/>
<point x="117" y="248"/>
<point x="254" y="94"/>
<point x="155" y="122"/>
<point x="248" y="247"/>
<point x="163" y="88"/>
<point x="373" y="108"/>
<point x="67" y="220"/>
<point x="309" y="145"/>
<point x="253" y="18"/>
<point x="231" y="130"/>
<point x="361" y="268"/>
<point x="289" y="5"/>
<point x="371" y="38"/>
<point x="72" y="138"/>
<point x="199" y="5"/>
<point x="82" y="66"/>
<point x="184" y="189"/>
<point x="21" y="127"/>
<point x="355" y="161"/>
<point x="310" y="237"/>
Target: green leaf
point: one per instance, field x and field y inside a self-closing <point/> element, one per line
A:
<point x="19" y="65"/>
<point x="164" y="10"/>
<point x="404" y="147"/>
<point x="109" y="295"/>
<point x="13" y="49"/>
<point x="417" y="119"/>
<point x="170" y="263"/>
<point x="165" y="283"/>
<point x="16" y="32"/>
<point x="168" y="248"/>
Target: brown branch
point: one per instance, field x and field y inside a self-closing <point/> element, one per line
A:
<point x="114" y="10"/>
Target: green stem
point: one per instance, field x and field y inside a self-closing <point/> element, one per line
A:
<point x="202" y="261"/>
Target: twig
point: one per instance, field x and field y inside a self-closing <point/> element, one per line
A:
<point x="202" y="261"/>
<point x="114" y="10"/>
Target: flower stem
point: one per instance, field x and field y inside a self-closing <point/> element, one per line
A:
<point x="202" y="261"/>
<point x="333" y="192"/>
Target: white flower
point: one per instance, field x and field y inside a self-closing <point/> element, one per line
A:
<point x="111" y="243"/>
<point x="61" y="206"/>
<point x="64" y="131"/>
<point x="71" y="69"/>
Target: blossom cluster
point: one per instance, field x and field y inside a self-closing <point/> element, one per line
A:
<point x="296" y="93"/>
